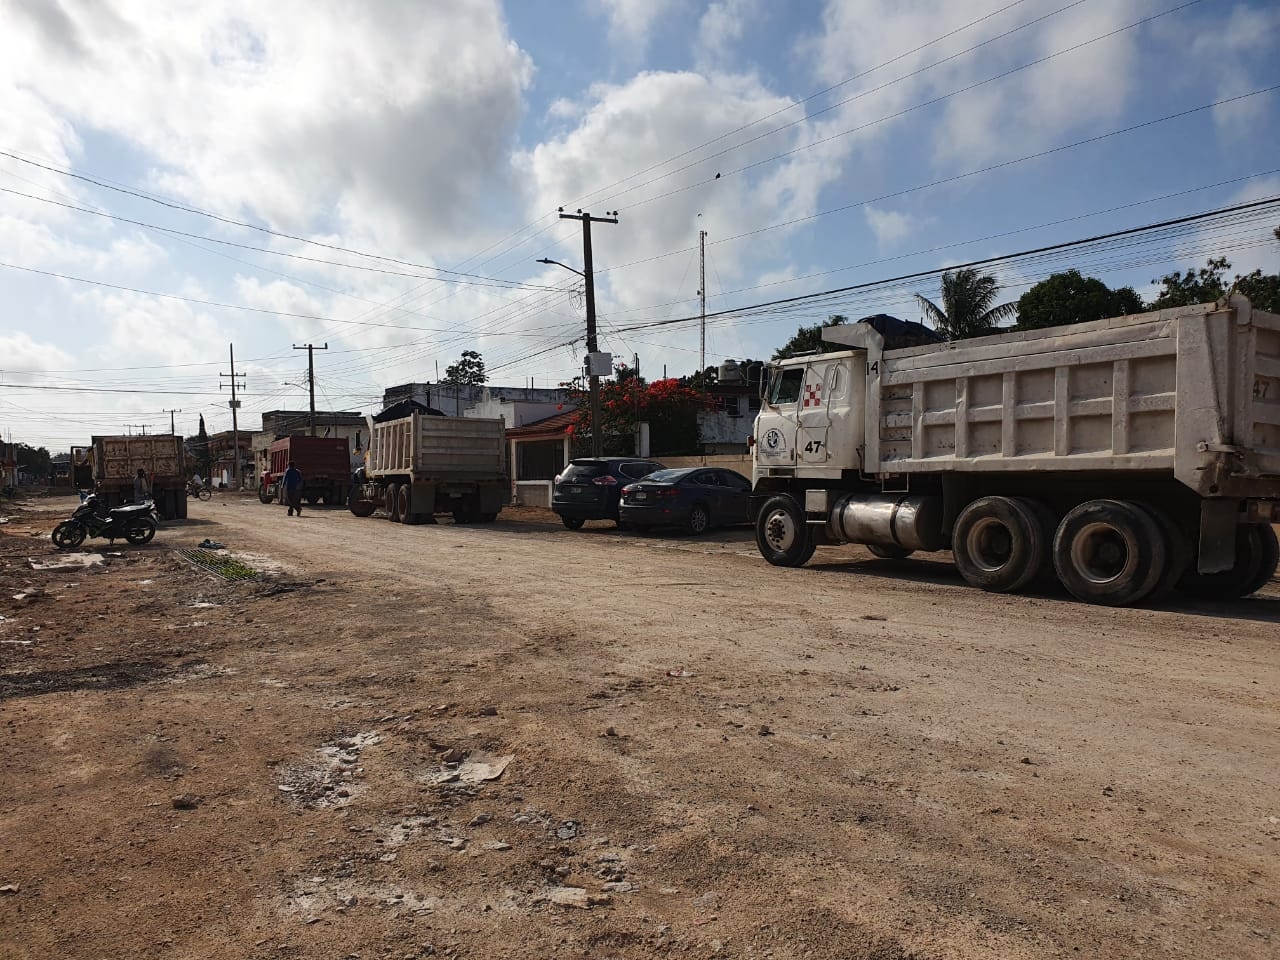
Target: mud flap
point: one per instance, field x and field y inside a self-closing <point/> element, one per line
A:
<point x="1218" y="519"/>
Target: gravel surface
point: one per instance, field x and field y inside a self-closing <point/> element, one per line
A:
<point x="513" y="740"/>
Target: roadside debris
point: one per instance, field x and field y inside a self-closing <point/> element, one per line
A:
<point x="476" y="768"/>
<point x="10" y="888"/>
<point x="679" y="673"/>
<point x="69" y="561"/>
<point x="207" y="544"/>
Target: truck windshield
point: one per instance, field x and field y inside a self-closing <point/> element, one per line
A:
<point x="786" y="385"/>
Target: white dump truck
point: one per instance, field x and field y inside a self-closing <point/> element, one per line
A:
<point x="422" y="465"/>
<point x="1130" y="456"/>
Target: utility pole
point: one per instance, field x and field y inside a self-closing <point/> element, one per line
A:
<point x="588" y="276"/>
<point x="635" y="372"/>
<point x="311" y="377"/>
<point x="702" y="295"/>
<point x="234" y="404"/>
<point x="171" y="413"/>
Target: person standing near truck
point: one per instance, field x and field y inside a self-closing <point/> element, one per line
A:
<point x="292" y="483"/>
<point x="141" y="488"/>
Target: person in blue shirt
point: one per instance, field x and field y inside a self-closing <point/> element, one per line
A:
<point x="292" y="484"/>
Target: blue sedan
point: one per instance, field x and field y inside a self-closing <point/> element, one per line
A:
<point x="695" y="498"/>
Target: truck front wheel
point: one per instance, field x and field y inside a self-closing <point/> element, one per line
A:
<point x="1000" y="544"/>
<point x="264" y="494"/>
<point x="782" y="534"/>
<point x="1110" y="552"/>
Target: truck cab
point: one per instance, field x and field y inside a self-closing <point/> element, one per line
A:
<point x="811" y="420"/>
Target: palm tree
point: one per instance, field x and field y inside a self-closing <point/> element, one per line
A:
<point x="967" y="305"/>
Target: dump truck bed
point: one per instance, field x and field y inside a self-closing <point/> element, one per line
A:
<point x="437" y="448"/>
<point x="118" y="458"/>
<point x="1193" y="390"/>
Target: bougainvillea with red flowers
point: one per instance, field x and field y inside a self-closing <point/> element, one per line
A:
<point x="669" y="406"/>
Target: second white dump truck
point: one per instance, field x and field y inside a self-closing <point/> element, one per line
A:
<point x="1129" y="456"/>
<point x="423" y="465"/>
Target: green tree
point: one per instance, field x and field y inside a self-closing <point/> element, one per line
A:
<point x="201" y="449"/>
<point x="1195" y="286"/>
<point x="1209" y="283"/>
<point x="1071" y="298"/>
<point x="969" y="307"/>
<point x="468" y="371"/>
<point x="809" y="340"/>
<point x="34" y="460"/>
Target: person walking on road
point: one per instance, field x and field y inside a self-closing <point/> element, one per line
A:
<point x="293" y="488"/>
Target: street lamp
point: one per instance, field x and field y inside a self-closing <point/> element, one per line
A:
<point x="593" y="380"/>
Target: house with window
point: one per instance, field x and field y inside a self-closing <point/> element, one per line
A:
<point x="736" y="393"/>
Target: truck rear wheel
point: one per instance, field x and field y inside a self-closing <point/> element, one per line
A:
<point x="782" y="535"/>
<point x="362" y="508"/>
<point x="393" y="502"/>
<point x="1000" y="544"/>
<point x="1110" y="552"/>
<point x="1178" y="551"/>
<point x="1256" y="559"/>
<point x="403" y="503"/>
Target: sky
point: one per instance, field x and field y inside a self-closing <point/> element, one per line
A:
<point x="179" y="179"/>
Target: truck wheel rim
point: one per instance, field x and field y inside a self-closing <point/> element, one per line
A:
<point x="989" y="544"/>
<point x="1101" y="553"/>
<point x="779" y="530"/>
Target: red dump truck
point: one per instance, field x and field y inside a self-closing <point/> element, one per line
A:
<point x="116" y="460"/>
<point x="325" y="463"/>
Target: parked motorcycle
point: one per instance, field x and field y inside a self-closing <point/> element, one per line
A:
<point x="135" y="522"/>
<point x="198" y="490"/>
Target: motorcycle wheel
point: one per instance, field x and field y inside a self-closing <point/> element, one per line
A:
<point x="68" y="535"/>
<point x="204" y="493"/>
<point x="140" y="531"/>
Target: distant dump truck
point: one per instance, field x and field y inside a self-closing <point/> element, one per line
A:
<point x="116" y="461"/>
<point x="423" y="465"/>
<point x="1129" y="456"/>
<point x="325" y="463"/>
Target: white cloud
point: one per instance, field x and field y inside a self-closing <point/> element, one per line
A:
<point x="1033" y="108"/>
<point x="1227" y="48"/>
<point x="632" y="21"/>
<point x="890" y="227"/>
<point x="722" y="25"/>
<point x="267" y="108"/>
<point x="22" y="353"/>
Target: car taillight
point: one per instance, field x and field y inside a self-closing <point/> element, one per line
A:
<point x="605" y="481"/>
<point x="627" y="489"/>
<point x="669" y="493"/>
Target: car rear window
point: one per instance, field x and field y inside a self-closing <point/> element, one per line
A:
<point x="636" y="469"/>
<point x="584" y="471"/>
<point x="666" y="476"/>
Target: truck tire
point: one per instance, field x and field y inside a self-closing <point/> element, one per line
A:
<point x="393" y="502"/>
<point x="782" y="535"/>
<point x="1000" y="544"/>
<point x="362" y="508"/>
<point x="1110" y="552"/>
<point x="403" y="503"/>
<point x="1179" y="553"/>
<point x="1256" y="554"/>
<point x="264" y="494"/>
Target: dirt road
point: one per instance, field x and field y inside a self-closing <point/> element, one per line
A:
<point x="707" y="756"/>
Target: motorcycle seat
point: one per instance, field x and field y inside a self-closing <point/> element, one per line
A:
<point x="132" y="508"/>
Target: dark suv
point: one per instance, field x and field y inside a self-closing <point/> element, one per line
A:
<point x="590" y="487"/>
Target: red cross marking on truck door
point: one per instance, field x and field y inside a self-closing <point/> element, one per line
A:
<point x="813" y="395"/>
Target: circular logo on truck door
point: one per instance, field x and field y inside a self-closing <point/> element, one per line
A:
<point x="774" y="441"/>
